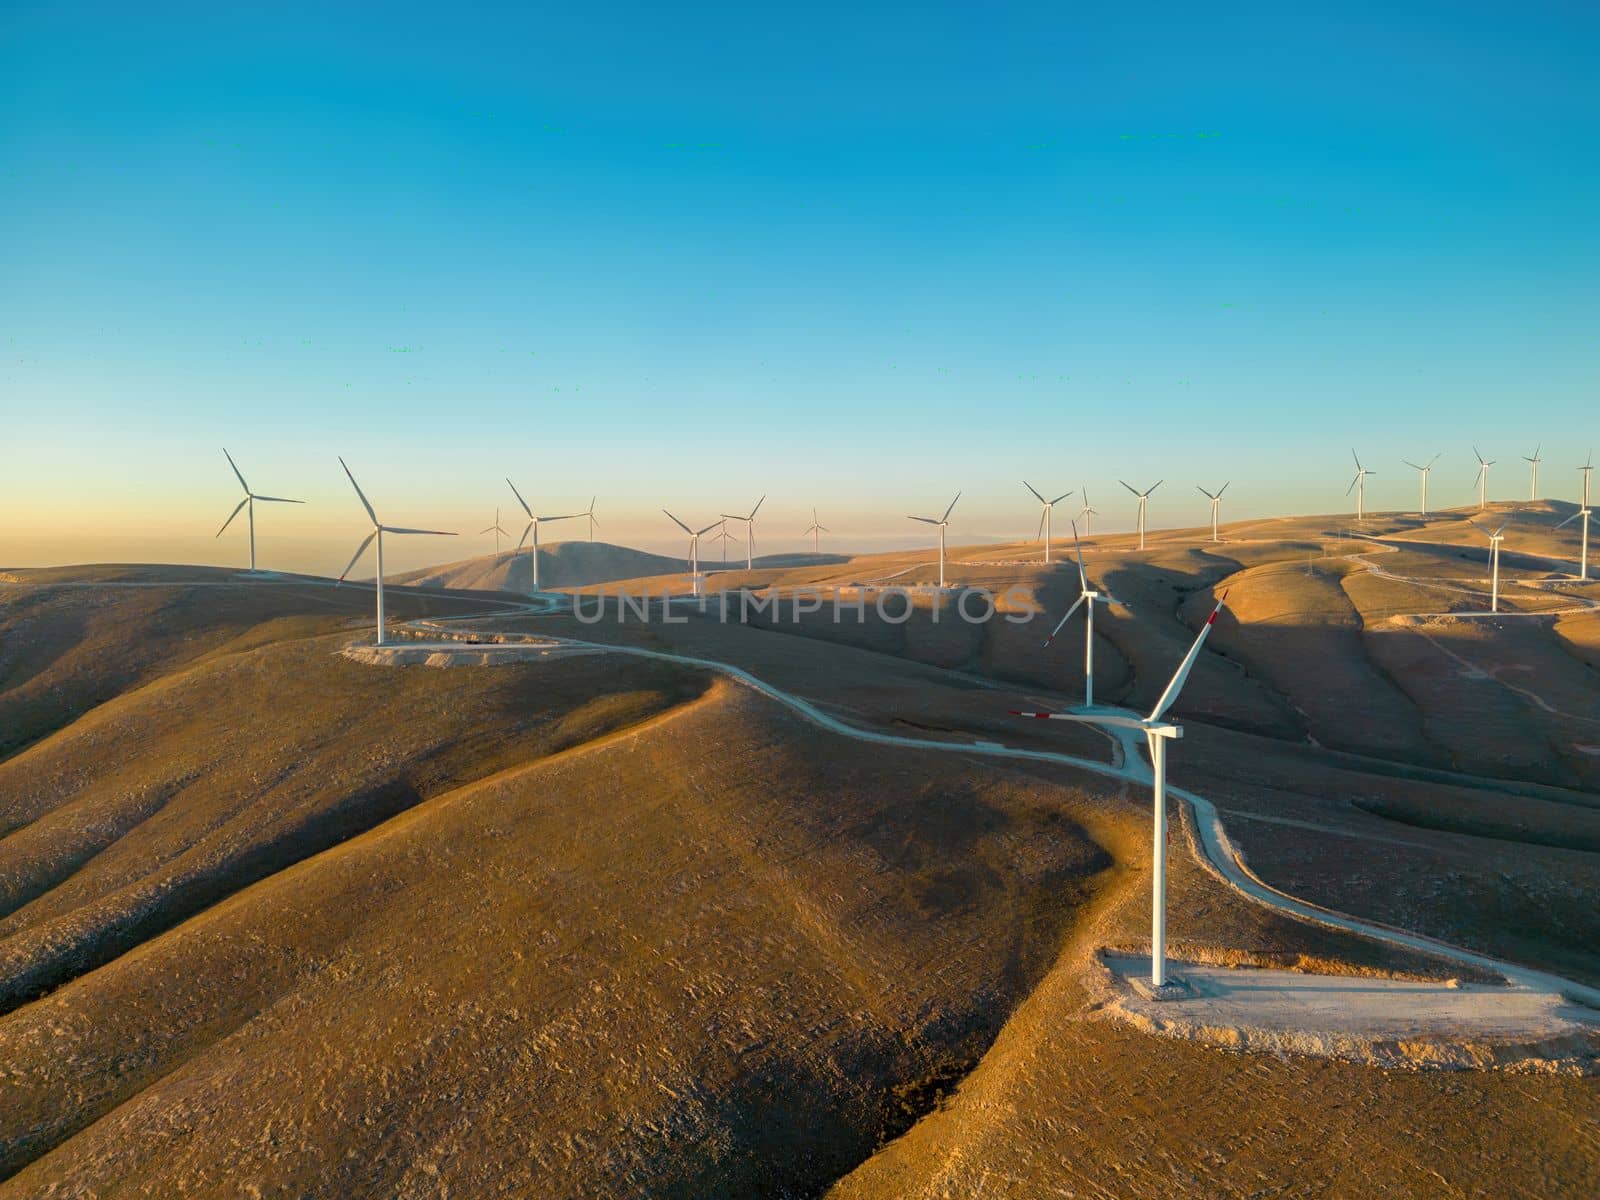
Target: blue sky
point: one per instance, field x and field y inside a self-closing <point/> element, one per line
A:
<point x="850" y="259"/>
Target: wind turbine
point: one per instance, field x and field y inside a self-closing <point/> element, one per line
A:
<point x="1483" y="478"/>
<point x="1583" y="511"/>
<point x="249" y="502"/>
<point x="497" y="531"/>
<point x="694" y="549"/>
<point x="816" y="531"/>
<point x="1215" y="501"/>
<point x="1144" y="496"/>
<point x="1087" y="513"/>
<point x="1044" y="516"/>
<point x="589" y="512"/>
<point x="1495" y="539"/>
<point x="378" y="530"/>
<point x="749" y="532"/>
<point x="724" y="537"/>
<point x="1583" y="560"/>
<point x="1424" y="472"/>
<point x="1091" y="597"/>
<point x="942" y="523"/>
<point x="533" y="527"/>
<point x="1156" y="732"/>
<point x="1533" y="462"/>
<point x="1359" y="486"/>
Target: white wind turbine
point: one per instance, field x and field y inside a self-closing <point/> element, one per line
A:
<point x="533" y="527"/>
<point x="1533" y="462"/>
<point x="1483" y="478"/>
<point x="1144" y="498"/>
<point x="942" y="523"/>
<point x="1216" y="501"/>
<point x="816" y="531"/>
<point x="1087" y="514"/>
<point x="1583" y="512"/>
<point x="749" y="532"/>
<point x="694" y="549"/>
<point x="249" y="502"/>
<point x="1044" y="515"/>
<point x="1424" y="472"/>
<point x="724" y="537"/>
<point x="1495" y="539"/>
<point x="1091" y="597"/>
<point x="497" y="531"/>
<point x="1156" y="732"/>
<point x="589" y="512"/>
<point x="1359" y="486"/>
<point x="378" y="530"/>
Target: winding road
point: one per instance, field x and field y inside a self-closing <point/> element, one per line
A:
<point x="1215" y="849"/>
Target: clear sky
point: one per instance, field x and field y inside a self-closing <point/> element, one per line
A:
<point x="851" y="257"/>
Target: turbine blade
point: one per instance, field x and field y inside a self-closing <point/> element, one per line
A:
<point x="520" y="500"/>
<point x="679" y="524"/>
<point x="1059" y="499"/>
<point x="1176" y="686"/>
<point x="360" y="550"/>
<point x="709" y="528"/>
<point x="1203" y="492"/>
<point x="1083" y="576"/>
<point x="756" y="509"/>
<point x="1353" y="483"/>
<point x="1038" y="533"/>
<point x="232" y="515"/>
<point x="280" y="500"/>
<point x="1572" y="518"/>
<point x="924" y="520"/>
<point x="1034" y="490"/>
<point x="236" y="470"/>
<point x="1223" y="488"/>
<point x="1127" y="485"/>
<point x="359" y="493"/>
<point x="949" y="510"/>
<point x="435" y="532"/>
<point x="526" y="530"/>
<point x="1064" y="619"/>
<point x="1154" y="486"/>
<point x="1084" y="718"/>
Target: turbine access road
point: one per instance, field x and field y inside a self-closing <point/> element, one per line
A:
<point x="1216" y="851"/>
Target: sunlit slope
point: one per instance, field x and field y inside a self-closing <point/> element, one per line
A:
<point x="562" y="565"/>
<point x="73" y="637"/>
<point x="722" y="955"/>
<point x="176" y="794"/>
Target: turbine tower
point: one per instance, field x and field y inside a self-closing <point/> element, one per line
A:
<point x="378" y="530"/>
<point x="1087" y="514"/>
<point x="1157" y="732"/>
<point x="1483" y="478"/>
<point x="816" y="531"/>
<point x="724" y="537"/>
<point x="1424" y="472"/>
<point x="1044" y="516"/>
<point x="249" y="502"/>
<point x="1495" y="539"/>
<point x="694" y="549"/>
<point x="533" y="527"/>
<point x="1091" y="597"/>
<point x="497" y="531"/>
<point x="942" y="522"/>
<point x="1583" y="556"/>
<point x="1533" y="460"/>
<point x="749" y="532"/>
<point x="1583" y="511"/>
<point x="1216" y="500"/>
<point x="1359" y="486"/>
<point x="1144" y="498"/>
